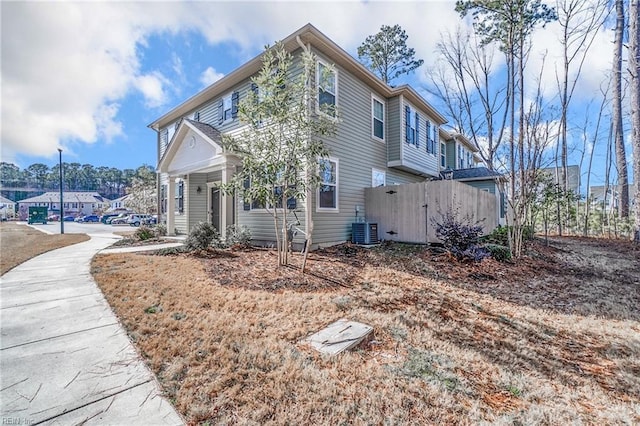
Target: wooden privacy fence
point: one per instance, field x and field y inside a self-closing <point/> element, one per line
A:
<point x="404" y="212"/>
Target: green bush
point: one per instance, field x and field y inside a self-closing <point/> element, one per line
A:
<point x="144" y="233"/>
<point x="499" y="252"/>
<point x="500" y="235"/>
<point x="201" y="237"/>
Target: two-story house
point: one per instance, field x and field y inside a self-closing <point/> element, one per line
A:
<point x="386" y="135"/>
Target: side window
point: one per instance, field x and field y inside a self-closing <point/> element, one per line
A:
<point x="327" y="81"/>
<point x="228" y="107"/>
<point x="443" y="155"/>
<point x="179" y="205"/>
<point x="377" y="117"/>
<point x="378" y="178"/>
<point x="411" y="126"/>
<point x="328" y="188"/>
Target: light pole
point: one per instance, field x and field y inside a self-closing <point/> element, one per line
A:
<point x="61" y="205"/>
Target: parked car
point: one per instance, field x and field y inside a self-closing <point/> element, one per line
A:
<point x="53" y="217"/>
<point x="121" y="219"/>
<point x="69" y="218"/>
<point x="105" y="217"/>
<point x="78" y="219"/>
<point x="139" y="219"/>
<point x="90" y="218"/>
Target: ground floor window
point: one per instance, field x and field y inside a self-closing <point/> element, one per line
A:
<point x="179" y="198"/>
<point x="378" y="178"/>
<point x="328" y="189"/>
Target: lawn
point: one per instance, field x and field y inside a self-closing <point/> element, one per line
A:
<point x="19" y="243"/>
<point x="553" y="340"/>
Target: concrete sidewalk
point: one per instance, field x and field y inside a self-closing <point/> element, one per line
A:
<point x="64" y="358"/>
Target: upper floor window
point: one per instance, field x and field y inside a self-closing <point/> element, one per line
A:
<point x="327" y="80"/>
<point x="377" y="117"/>
<point x="412" y="126"/>
<point x="228" y="107"/>
<point x="460" y="157"/>
<point x="328" y="189"/>
<point x="443" y="155"/>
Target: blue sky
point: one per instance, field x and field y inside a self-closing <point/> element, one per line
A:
<point x="88" y="77"/>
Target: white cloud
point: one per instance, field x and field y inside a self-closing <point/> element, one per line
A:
<point x="210" y="76"/>
<point x="152" y="88"/>
<point x="67" y="67"/>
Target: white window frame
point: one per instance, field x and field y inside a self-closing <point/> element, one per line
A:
<point x="335" y="83"/>
<point x="375" y="99"/>
<point x="225" y="99"/>
<point x="443" y="155"/>
<point x="413" y="114"/>
<point x="373" y="177"/>
<point x="336" y="184"/>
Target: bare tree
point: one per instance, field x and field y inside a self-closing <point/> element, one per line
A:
<point x="634" y="74"/>
<point x="465" y="79"/>
<point x="621" y="156"/>
<point x="592" y="140"/>
<point x="579" y="21"/>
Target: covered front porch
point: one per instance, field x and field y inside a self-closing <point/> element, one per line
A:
<point x="192" y="171"/>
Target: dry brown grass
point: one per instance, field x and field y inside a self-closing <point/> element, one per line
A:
<point x="222" y="334"/>
<point x="19" y="243"/>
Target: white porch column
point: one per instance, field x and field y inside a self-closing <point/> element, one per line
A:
<point x="171" y="206"/>
<point x="226" y="208"/>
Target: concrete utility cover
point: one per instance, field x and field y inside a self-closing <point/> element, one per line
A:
<point x="338" y="337"/>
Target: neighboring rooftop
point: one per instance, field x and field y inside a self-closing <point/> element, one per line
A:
<point x="68" y="196"/>
<point x="476" y="173"/>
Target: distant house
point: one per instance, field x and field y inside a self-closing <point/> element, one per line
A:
<point x="608" y="196"/>
<point x="573" y="176"/>
<point x="75" y="203"/>
<point x="119" y="204"/>
<point x="7" y="208"/>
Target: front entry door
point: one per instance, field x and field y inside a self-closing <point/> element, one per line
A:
<point x="214" y="208"/>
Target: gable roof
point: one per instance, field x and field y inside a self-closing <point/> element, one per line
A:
<point x="68" y="196"/>
<point x="208" y="130"/>
<point x="308" y="34"/>
<point x="200" y="155"/>
<point x="4" y="200"/>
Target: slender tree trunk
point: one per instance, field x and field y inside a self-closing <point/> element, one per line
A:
<point x="634" y="71"/>
<point x="621" y="157"/>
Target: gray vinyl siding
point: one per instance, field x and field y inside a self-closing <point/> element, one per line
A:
<point x="483" y="185"/>
<point x="415" y="156"/>
<point x="399" y="177"/>
<point x="394" y="132"/>
<point x="197" y="203"/>
<point x="357" y="152"/>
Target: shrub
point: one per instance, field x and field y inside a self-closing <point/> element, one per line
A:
<point x="238" y="236"/>
<point x="459" y="238"/>
<point x="201" y="236"/>
<point x="160" y="230"/>
<point x="500" y="235"/>
<point x="499" y="252"/>
<point x="144" y="233"/>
